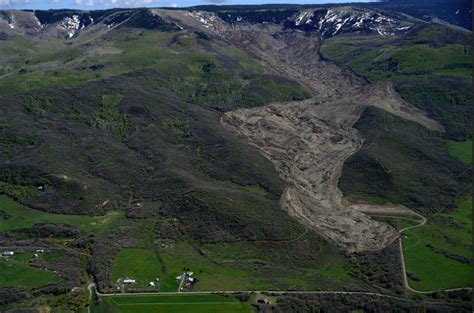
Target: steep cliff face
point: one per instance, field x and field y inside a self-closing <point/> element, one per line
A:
<point x="327" y="22"/>
<point x="69" y="24"/>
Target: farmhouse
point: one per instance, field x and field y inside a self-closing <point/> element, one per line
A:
<point x="8" y="253"/>
<point x="151" y="284"/>
<point x="129" y="281"/>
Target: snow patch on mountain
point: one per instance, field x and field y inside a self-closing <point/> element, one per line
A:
<point x="339" y="21"/>
<point x="71" y="25"/>
<point x="304" y="17"/>
<point x="8" y="19"/>
<point x="328" y="22"/>
<point x="207" y="19"/>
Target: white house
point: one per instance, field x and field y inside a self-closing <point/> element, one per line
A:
<point x="152" y="284"/>
<point x="8" y="253"/>
<point x="129" y="281"/>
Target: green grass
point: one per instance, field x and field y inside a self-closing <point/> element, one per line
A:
<point x="256" y="189"/>
<point x="142" y="265"/>
<point x="14" y="215"/>
<point x="464" y="212"/>
<point x="15" y="271"/>
<point x="434" y="269"/>
<point x="378" y="59"/>
<point x="211" y="276"/>
<point x="237" y="266"/>
<point x="461" y="150"/>
<point x="173" y="303"/>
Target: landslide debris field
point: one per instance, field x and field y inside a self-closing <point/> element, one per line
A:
<point x="319" y="131"/>
<point x="236" y="144"/>
<point x="308" y="141"/>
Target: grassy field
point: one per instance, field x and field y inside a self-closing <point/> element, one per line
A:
<point x="461" y="150"/>
<point x="232" y="266"/>
<point x="142" y="265"/>
<point x="446" y="233"/>
<point x="172" y="303"/>
<point x="378" y="59"/>
<point x="15" y="271"/>
<point x="14" y="215"/>
<point x="257" y="266"/>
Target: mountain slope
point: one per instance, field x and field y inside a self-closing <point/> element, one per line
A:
<point x="215" y="140"/>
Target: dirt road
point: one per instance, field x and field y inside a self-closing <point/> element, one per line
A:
<point x="275" y="292"/>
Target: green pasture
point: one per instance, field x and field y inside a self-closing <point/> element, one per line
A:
<point x="15" y="271"/>
<point x="14" y="215"/>
<point x="451" y="232"/>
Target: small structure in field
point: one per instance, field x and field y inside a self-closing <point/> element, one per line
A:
<point x="152" y="284"/>
<point x="262" y="299"/>
<point x="129" y="281"/>
<point x="8" y="253"/>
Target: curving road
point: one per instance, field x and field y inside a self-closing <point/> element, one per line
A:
<point x="402" y="256"/>
<point x="422" y="222"/>
<point x="402" y="260"/>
